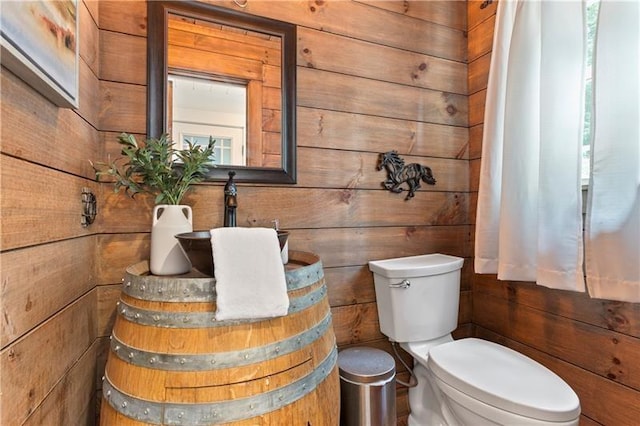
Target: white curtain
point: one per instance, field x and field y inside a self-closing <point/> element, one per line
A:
<point x="613" y="212"/>
<point x="529" y="224"/>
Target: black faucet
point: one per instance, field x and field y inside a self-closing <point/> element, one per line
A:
<point x="230" y="201"/>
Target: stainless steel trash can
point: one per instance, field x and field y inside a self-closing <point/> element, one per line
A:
<point x="367" y="387"/>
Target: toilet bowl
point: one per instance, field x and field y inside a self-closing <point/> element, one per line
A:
<point x="468" y="381"/>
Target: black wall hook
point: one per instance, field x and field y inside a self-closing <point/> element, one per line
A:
<point x="89" y="207"/>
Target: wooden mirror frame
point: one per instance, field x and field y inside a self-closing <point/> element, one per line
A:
<point x="157" y="70"/>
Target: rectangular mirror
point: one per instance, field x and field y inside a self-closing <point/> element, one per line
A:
<point x="223" y="73"/>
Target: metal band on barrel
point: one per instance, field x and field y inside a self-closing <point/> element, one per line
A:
<point x="218" y="360"/>
<point x="169" y="289"/>
<point x="175" y="289"/>
<point x="217" y="412"/>
<point x="168" y="319"/>
<point x="304" y="276"/>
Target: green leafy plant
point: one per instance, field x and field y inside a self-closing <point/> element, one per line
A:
<point x="156" y="167"/>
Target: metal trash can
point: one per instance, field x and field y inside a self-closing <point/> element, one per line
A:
<point x="367" y="387"/>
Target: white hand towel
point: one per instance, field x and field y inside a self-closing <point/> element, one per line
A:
<point x="250" y="279"/>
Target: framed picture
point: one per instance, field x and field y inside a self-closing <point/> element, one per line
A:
<point x="39" y="40"/>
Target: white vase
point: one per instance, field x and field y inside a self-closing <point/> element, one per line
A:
<point x="167" y="258"/>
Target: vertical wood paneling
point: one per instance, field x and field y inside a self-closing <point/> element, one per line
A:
<point x="592" y="344"/>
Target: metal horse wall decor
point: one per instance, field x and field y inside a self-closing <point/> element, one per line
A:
<point x="398" y="174"/>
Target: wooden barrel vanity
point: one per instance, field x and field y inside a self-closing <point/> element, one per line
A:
<point x="171" y="362"/>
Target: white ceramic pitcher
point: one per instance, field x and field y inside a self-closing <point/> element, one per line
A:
<point x="167" y="258"/>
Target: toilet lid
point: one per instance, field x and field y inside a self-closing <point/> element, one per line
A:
<point x="505" y="379"/>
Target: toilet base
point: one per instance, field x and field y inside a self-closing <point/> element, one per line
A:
<point x="426" y="403"/>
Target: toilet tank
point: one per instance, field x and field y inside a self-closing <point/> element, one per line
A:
<point x="417" y="296"/>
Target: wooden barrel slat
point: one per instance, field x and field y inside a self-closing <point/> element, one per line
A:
<point x="126" y="375"/>
<point x="199" y="340"/>
<point x="155" y="336"/>
<point x="238" y="405"/>
<point x="219" y="360"/>
<point x="171" y="363"/>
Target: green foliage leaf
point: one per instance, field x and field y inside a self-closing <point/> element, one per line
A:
<point x="156" y="167"/>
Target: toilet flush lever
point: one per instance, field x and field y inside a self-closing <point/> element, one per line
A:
<point x="402" y="284"/>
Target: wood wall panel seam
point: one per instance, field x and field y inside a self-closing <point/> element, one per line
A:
<point x="337" y="92"/>
<point x="21" y="105"/>
<point x="360" y="58"/>
<point x="55" y="283"/>
<point x="118" y="48"/>
<point x="73" y="329"/>
<point x="612" y="355"/>
<point x="67" y="402"/>
<point x="435" y="12"/>
<point x="478" y="12"/>
<point x="352" y="20"/>
<point x="481" y="38"/>
<point x="321" y="128"/>
<point x="58" y="202"/>
<point x="608" y="315"/>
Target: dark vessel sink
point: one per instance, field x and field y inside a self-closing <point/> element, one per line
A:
<point x="197" y="246"/>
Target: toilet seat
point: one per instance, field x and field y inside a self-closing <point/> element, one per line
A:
<point x="503" y="378"/>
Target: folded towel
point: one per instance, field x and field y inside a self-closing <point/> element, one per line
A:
<point x="250" y="280"/>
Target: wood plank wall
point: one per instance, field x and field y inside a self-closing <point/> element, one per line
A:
<point x="372" y="76"/>
<point x="48" y="298"/>
<point x="593" y="344"/>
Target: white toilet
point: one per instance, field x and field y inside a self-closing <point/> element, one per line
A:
<point x="463" y="382"/>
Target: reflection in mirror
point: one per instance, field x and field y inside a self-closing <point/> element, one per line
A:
<point x="199" y="109"/>
<point x="198" y="56"/>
